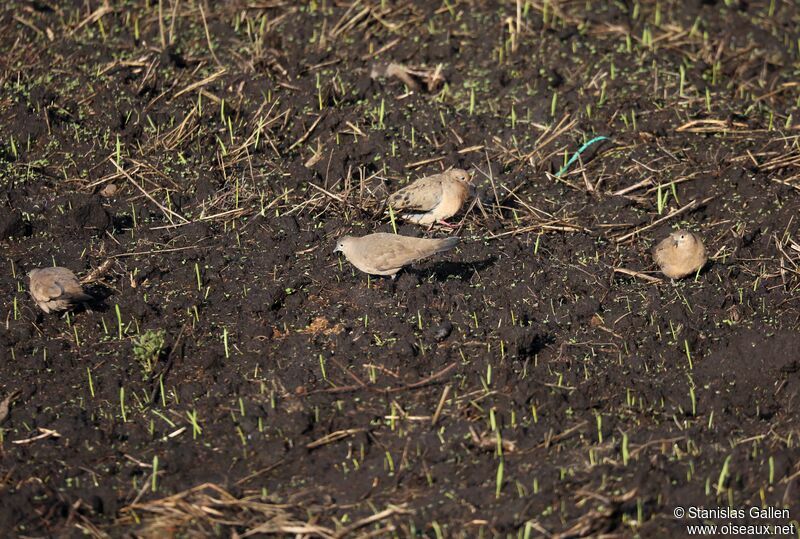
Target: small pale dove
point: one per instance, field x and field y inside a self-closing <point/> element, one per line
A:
<point x="680" y="254"/>
<point x="433" y="78"/>
<point x="386" y="254"/>
<point x="56" y="289"/>
<point x="433" y="199"/>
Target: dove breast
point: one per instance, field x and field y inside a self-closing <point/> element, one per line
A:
<point x="432" y="198"/>
<point x="680" y="254"/>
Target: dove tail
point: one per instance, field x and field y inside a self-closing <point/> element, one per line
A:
<point x="446" y="244"/>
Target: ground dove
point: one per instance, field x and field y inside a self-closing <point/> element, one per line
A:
<point x="56" y="289"/>
<point x="680" y="254"/>
<point x="432" y="78"/>
<point x="386" y="254"/>
<point x="434" y="198"/>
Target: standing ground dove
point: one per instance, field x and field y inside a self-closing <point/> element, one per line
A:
<point x="386" y="254"/>
<point x="433" y="199"/>
<point x="56" y="289"/>
<point x="680" y="254"/>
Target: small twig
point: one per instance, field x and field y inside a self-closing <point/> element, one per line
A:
<point x="208" y="35"/>
<point x="383" y="49"/>
<point x="565" y="434"/>
<point x="690" y="206"/>
<point x="709" y="126"/>
<point x="200" y="83"/>
<point x="333" y="437"/>
<point x="257" y="473"/>
<point x="93" y="17"/>
<point x="348" y="372"/>
<point x="167" y="212"/>
<point x="45" y="433"/>
<point x="645" y="445"/>
<point x="440" y="406"/>
<point x="145" y="487"/>
<point x="640" y="275"/>
<point x="154" y="252"/>
<point x="634" y="187"/>
<point x="386" y="513"/>
<point x="415" y="385"/>
<point x="418" y="164"/>
<point x="425" y="381"/>
<point x="98" y="272"/>
<point x="485" y="441"/>
<point x="327" y="193"/>
<point x="307" y="134"/>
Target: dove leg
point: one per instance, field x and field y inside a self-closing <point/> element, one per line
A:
<point x="444" y="223"/>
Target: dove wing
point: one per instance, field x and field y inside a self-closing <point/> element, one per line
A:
<point x="660" y="247"/>
<point x="391" y="255"/>
<point x="399" y="251"/>
<point x="53" y="290"/>
<point x="422" y="195"/>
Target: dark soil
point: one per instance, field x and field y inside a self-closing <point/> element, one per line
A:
<point x="517" y="386"/>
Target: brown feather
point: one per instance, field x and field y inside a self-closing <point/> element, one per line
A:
<point x="422" y="195"/>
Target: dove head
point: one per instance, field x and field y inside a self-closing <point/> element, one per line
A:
<point x="341" y="244"/>
<point x="460" y="175"/>
<point x="683" y="239"/>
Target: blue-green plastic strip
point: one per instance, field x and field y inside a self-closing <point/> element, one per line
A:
<point x="580" y="151"/>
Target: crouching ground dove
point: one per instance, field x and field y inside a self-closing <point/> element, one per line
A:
<point x="386" y="254"/>
<point x="680" y="254"/>
<point x="56" y="289"/>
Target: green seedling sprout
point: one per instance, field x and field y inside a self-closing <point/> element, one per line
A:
<point x="625" y="452"/>
<point x="499" y="480"/>
<point x="154" y="486"/>
<point x="392" y="219"/>
<point x="122" y="404"/>
<point x="471" y="101"/>
<point x="723" y="475"/>
<point x="91" y="383"/>
<point x="196" y="430"/>
<point x="771" y="470"/>
<point x="688" y="353"/>
<point x="119" y="320"/>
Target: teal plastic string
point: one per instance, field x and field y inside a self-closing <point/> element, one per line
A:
<point x="580" y="151"/>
